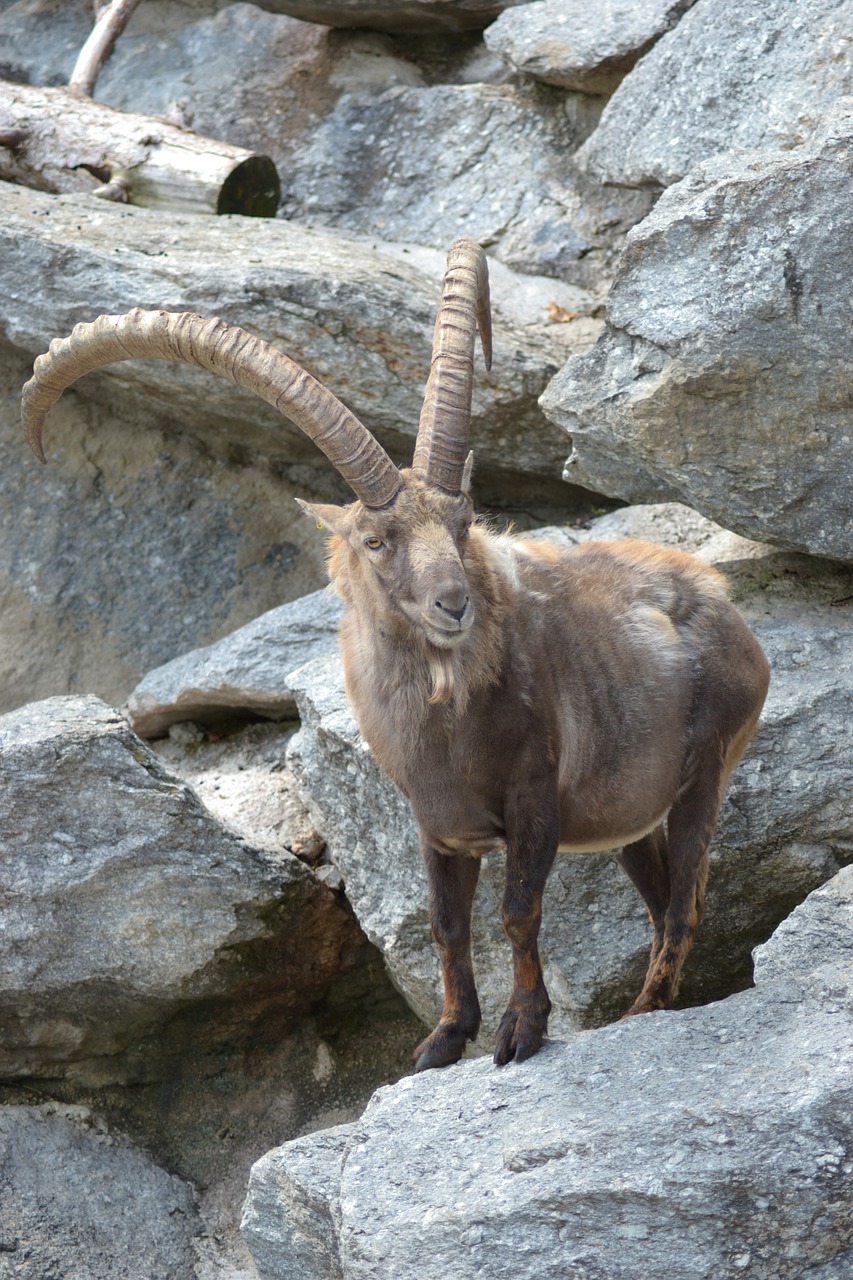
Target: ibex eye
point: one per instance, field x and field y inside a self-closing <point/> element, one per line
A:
<point x="374" y="543"/>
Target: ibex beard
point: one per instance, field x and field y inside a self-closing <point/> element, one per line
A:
<point x="524" y="697"/>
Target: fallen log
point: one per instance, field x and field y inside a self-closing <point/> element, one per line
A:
<point x="60" y="141"/>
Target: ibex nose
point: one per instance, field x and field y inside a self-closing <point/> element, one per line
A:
<point x="452" y="600"/>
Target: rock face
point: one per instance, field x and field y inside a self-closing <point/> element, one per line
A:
<point x="77" y="1203"/>
<point x="360" y="320"/>
<point x="380" y="137"/>
<point x="245" y="672"/>
<point x="783" y="829"/>
<point x="130" y="904"/>
<point x="395" y="15"/>
<point x="705" y="1142"/>
<point x="722" y="377"/>
<point x="569" y="45"/>
<point x="728" y="77"/>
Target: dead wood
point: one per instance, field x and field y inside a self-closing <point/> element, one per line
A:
<point x="60" y="141"/>
<point x="110" y="23"/>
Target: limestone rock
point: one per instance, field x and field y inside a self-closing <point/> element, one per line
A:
<point x="360" y="321"/>
<point x="576" y="47"/>
<point x="135" y="544"/>
<point x="729" y="76"/>
<point x="395" y="15"/>
<point x="79" y="1204"/>
<point x="246" y="672"/>
<point x="722" y="378"/>
<point x="126" y="905"/>
<point x="782" y="831"/>
<point x="703" y="1142"/>
<point x="386" y="138"/>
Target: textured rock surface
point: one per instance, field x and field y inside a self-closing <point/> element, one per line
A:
<point x="713" y="1141"/>
<point x="722" y="378"/>
<point x="126" y="903"/>
<point x="135" y="544"/>
<point x="418" y="163"/>
<point x="395" y="15"/>
<point x="784" y="828"/>
<point x="77" y="1204"/>
<point x="576" y="47"/>
<point x="359" y="320"/>
<point x="730" y="75"/>
<point x="245" y="672"/>
<point x="391" y="138"/>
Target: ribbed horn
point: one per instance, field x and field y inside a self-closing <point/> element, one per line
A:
<point x="232" y="353"/>
<point x="442" y="444"/>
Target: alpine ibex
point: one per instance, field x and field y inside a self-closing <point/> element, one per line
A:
<point x="524" y="697"/>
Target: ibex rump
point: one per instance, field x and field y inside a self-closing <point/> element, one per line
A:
<point x="524" y="697"/>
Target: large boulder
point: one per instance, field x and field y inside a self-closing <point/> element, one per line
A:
<point x="722" y="378"/>
<point x="395" y="15"/>
<point x="729" y="76"/>
<point x="245" y="672"/>
<point x="784" y="828"/>
<point x="565" y="42"/>
<point x="395" y="139"/>
<point x="129" y="908"/>
<point x="135" y="544"/>
<point x="81" y="1204"/>
<point x="359" y="319"/>
<point x="708" y="1142"/>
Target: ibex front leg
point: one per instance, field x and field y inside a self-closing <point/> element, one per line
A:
<point x="532" y="832"/>
<point x="451" y="882"/>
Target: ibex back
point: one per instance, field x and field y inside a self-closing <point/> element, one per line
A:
<point x="524" y="697"/>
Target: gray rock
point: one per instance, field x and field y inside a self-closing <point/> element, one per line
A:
<point x="395" y="15"/>
<point x="730" y="75"/>
<point x="566" y="43"/>
<point x="721" y="377"/>
<point x="126" y="906"/>
<point x="394" y="139"/>
<point x="417" y="163"/>
<point x="784" y="827"/>
<point x="378" y="148"/>
<point x="360" y="320"/>
<point x="135" y="544"/>
<point x="707" y="1142"/>
<point x="78" y="1204"/>
<point x="244" y="672"/>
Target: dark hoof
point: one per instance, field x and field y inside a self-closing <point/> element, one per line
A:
<point x="647" y="1004"/>
<point x="442" y="1048"/>
<point x="520" y="1035"/>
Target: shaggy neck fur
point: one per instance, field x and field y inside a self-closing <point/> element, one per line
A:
<point x="387" y="655"/>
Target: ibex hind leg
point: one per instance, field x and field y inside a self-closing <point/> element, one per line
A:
<point x="646" y="863"/>
<point x="451" y="882"/>
<point x="723" y="721"/>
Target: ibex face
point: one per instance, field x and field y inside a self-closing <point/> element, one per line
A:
<point x="408" y="560"/>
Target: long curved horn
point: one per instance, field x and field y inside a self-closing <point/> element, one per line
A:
<point x="233" y="353"/>
<point x="442" y="444"/>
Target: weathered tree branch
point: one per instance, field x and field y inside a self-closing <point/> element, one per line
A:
<point x="59" y="141"/>
<point x="111" y="21"/>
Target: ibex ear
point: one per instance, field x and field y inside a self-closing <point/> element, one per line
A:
<point x="466" y="473"/>
<point x="327" y="516"/>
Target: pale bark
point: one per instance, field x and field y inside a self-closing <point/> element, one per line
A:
<point x="110" y="23"/>
<point x="61" y="141"/>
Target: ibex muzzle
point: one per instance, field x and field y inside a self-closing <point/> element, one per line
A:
<point x="524" y="697"/>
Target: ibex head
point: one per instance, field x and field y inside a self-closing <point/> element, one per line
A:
<point x="407" y="528"/>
